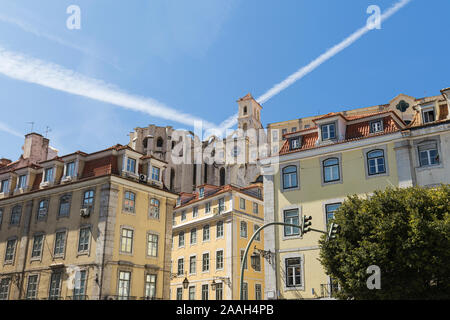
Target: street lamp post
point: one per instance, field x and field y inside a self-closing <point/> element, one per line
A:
<point x="254" y="236"/>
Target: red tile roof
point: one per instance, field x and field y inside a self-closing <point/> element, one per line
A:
<point x="99" y="167"/>
<point x="354" y="131"/>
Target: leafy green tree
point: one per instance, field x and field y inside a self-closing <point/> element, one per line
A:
<point x="405" y="232"/>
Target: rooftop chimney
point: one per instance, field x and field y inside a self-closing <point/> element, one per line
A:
<point x="37" y="149"/>
<point x="4" y="162"/>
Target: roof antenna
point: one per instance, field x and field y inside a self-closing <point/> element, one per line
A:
<point x="47" y="130"/>
<point x="32" y="125"/>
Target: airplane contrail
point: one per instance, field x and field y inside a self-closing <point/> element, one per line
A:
<point x="24" y="68"/>
<point x="276" y="89"/>
<point x="5" y="128"/>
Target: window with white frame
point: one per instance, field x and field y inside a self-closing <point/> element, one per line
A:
<point x="201" y="193"/>
<point x="192" y="293"/>
<point x="64" y="205"/>
<point x="10" y="250"/>
<point x="376" y="162"/>
<point x="88" y="199"/>
<point x="258" y="236"/>
<point x="219" y="259"/>
<point x="328" y="131"/>
<point x="129" y="202"/>
<point x="131" y="165"/>
<point x="42" y="210"/>
<point x="208" y="207"/>
<point x="219" y="291"/>
<point x="4" y="186"/>
<point x="206" y="232"/>
<point x="221" y="205"/>
<point x="255" y="208"/>
<point x="48" y="175"/>
<point x="180" y="266"/>
<point x="154" y="208"/>
<point x="376" y="126"/>
<point x="126" y="241"/>
<point x="242" y="259"/>
<point x="295" y="143"/>
<point x="243" y="229"/>
<point x="291" y="217"/>
<point x="293" y="272"/>
<point x="54" y="292"/>
<point x="428" y="115"/>
<point x="152" y="245"/>
<point x="242" y="203"/>
<point x="181" y="239"/>
<point x="4" y="288"/>
<point x="38" y="242"/>
<point x="258" y="291"/>
<point x="290" y="177"/>
<point x="245" y="291"/>
<point x="192" y="264"/>
<point x="179" y="293"/>
<point x="83" y="240"/>
<point x="330" y="210"/>
<point x="22" y="182"/>
<point x="428" y="153"/>
<point x="205" y="292"/>
<point x="219" y="229"/>
<point x="60" y="243"/>
<point x="194" y="236"/>
<point x="205" y="262"/>
<point x="16" y="212"/>
<point x="195" y="212"/>
<point x="79" y="290"/>
<point x="183" y="215"/>
<point x="32" y="287"/>
<point x="331" y="170"/>
<point x="150" y="286"/>
<point x="155" y="173"/>
<point x="124" y="285"/>
<point x="70" y="169"/>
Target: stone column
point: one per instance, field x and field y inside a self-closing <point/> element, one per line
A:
<point x="270" y="234"/>
<point x="170" y="204"/>
<point x="105" y="243"/>
<point x="405" y="165"/>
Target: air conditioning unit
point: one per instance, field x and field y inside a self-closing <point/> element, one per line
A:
<point x="142" y="178"/>
<point x="85" y="212"/>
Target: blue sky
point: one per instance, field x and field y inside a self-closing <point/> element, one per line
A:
<point x="198" y="57"/>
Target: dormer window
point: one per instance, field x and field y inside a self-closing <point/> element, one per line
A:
<point x="201" y="193"/>
<point x="155" y="173"/>
<point x="428" y="115"/>
<point x="70" y="169"/>
<point x="48" y="175"/>
<point x="328" y="131"/>
<point x="295" y="143"/>
<point x="4" y="186"/>
<point x="131" y="165"/>
<point x="283" y="132"/>
<point x="376" y="126"/>
<point x="178" y="201"/>
<point x="22" y="183"/>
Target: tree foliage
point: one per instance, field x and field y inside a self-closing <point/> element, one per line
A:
<point x="405" y="232"/>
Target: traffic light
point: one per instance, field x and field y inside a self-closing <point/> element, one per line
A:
<point x="334" y="229"/>
<point x="306" y="224"/>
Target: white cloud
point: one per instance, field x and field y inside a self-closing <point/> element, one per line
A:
<point x="21" y="67"/>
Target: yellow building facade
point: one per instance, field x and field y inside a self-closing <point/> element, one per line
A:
<point x="85" y="226"/>
<point x="212" y="228"/>
<point x="341" y="155"/>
